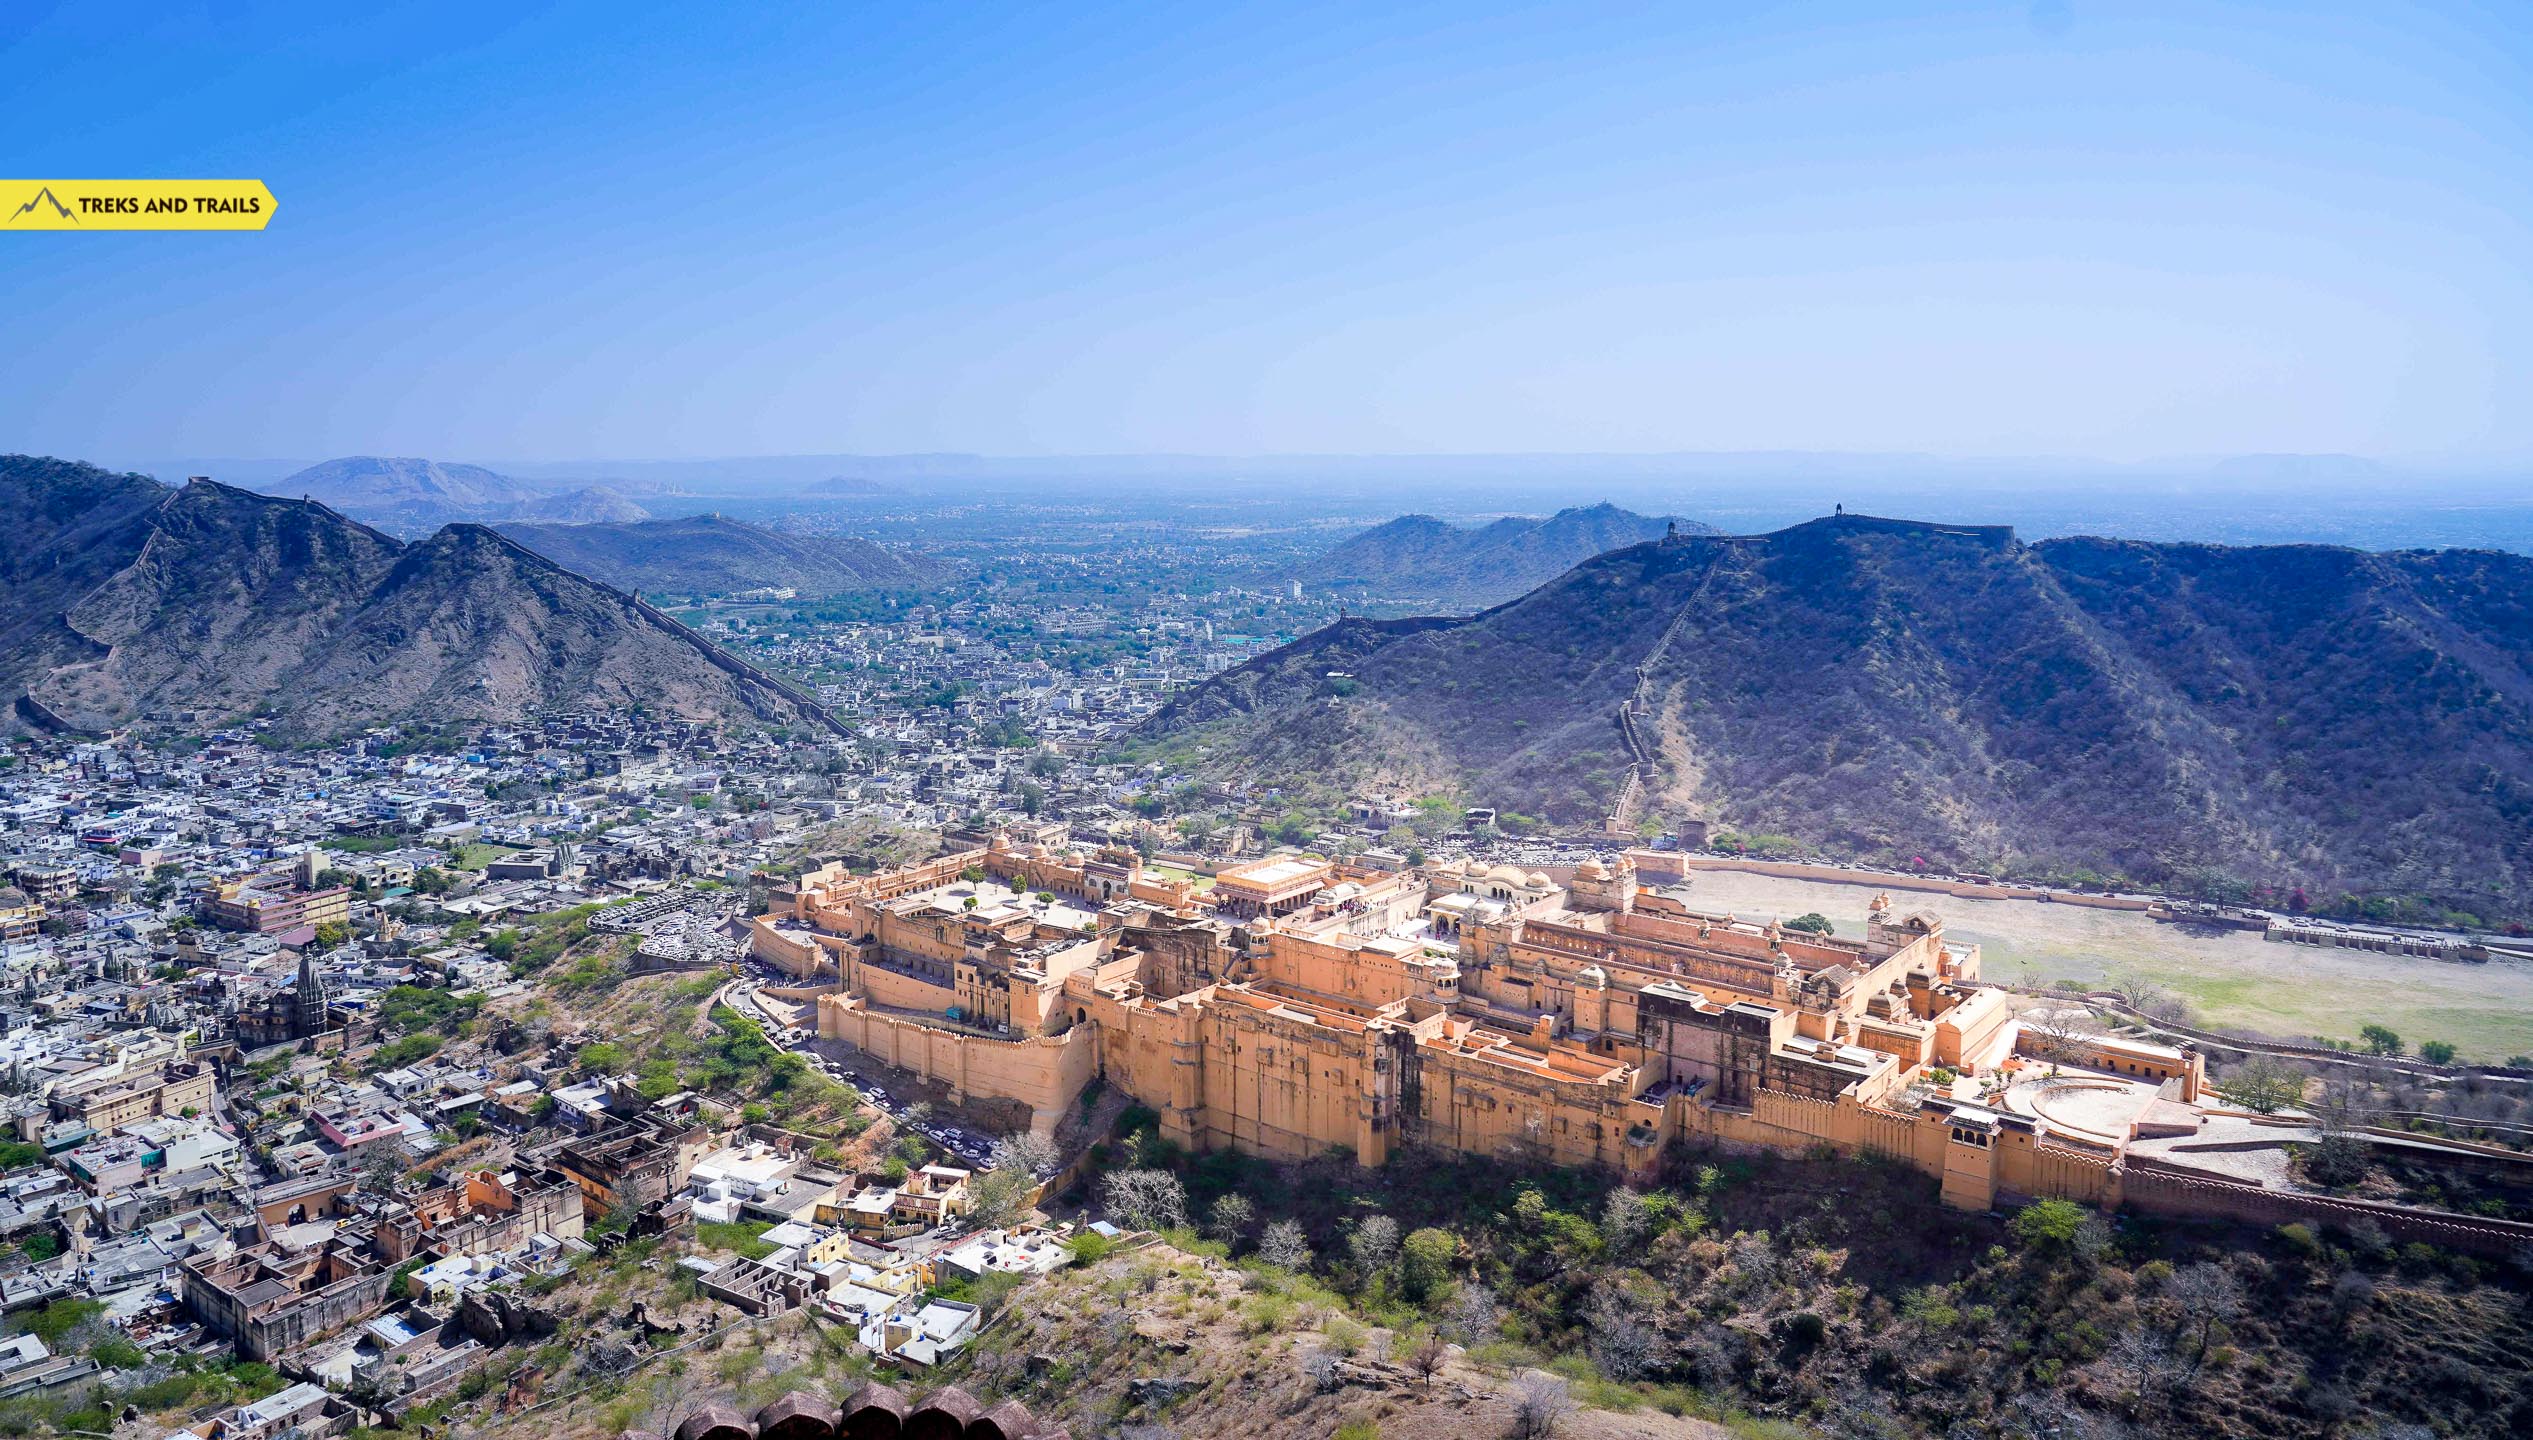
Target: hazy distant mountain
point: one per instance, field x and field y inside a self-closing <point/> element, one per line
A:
<point x="2289" y="715"/>
<point x="590" y="505"/>
<point x="2306" y="470"/>
<point x="1417" y="557"/>
<point x="125" y="599"/>
<point x="853" y="487"/>
<point x="714" y="555"/>
<point x="405" y="491"/>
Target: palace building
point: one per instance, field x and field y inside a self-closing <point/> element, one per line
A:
<point x="1296" y="1006"/>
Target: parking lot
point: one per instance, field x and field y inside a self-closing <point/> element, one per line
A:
<point x="969" y="1147"/>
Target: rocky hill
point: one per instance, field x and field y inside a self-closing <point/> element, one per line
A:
<point x="712" y="555"/>
<point x="125" y="600"/>
<point x="589" y="505"/>
<point x="2206" y="717"/>
<point x="409" y="497"/>
<point x="1420" y="558"/>
<point x="402" y="492"/>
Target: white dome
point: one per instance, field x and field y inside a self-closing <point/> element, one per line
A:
<point x="1537" y="880"/>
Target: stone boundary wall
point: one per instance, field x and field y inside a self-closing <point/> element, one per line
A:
<point x="801" y="956"/>
<point x="1879" y="880"/>
<point x="1888" y="1132"/>
<point x="1848" y="1126"/>
<point x="2285" y="1049"/>
<point x="2155" y="1189"/>
<point x="2055" y="1170"/>
<point x="1043" y="1072"/>
<point x="2147" y="1186"/>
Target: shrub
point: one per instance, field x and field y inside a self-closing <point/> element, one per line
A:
<point x="1285" y="1245"/>
<point x="1804" y="1329"/>
<point x="1266" y="1314"/>
<point x="2336" y="1160"/>
<point x="1425" y="1262"/>
<point x="2050" y="1226"/>
<point x="1145" y="1199"/>
<point x="745" y="1238"/>
<point x="116" y="1353"/>
<point x="1539" y="1403"/>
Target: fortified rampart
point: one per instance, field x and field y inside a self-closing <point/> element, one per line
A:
<point x="1927" y="884"/>
<point x="1490" y="1012"/>
<point x="2155" y="1188"/>
<point x="1043" y="1072"/>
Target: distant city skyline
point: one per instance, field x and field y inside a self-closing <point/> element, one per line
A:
<point x="2128" y="234"/>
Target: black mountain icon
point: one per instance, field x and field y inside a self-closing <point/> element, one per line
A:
<point x="45" y="196"/>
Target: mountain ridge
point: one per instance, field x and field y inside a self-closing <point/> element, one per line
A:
<point x="713" y="554"/>
<point x="2226" y="717"/>
<point x="1423" y="557"/>
<point x="129" y="600"/>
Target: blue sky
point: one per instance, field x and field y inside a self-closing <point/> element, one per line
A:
<point x="582" y="230"/>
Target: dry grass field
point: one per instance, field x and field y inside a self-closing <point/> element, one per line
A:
<point x="2233" y="978"/>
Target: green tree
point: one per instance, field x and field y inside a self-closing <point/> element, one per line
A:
<point x="2050" y="1226"/>
<point x="1812" y="923"/>
<point x="2437" y="1052"/>
<point x="1425" y="1262"/>
<point x="2380" y="1040"/>
<point x="2263" y="1083"/>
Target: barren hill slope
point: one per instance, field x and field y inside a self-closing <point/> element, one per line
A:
<point x="2299" y="715"/>
<point x="1418" y="557"/>
<point x="711" y="554"/>
<point x="125" y="599"/>
<point x="405" y="491"/>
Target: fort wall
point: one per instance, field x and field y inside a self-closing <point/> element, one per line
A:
<point x="2153" y="1188"/>
<point x="1927" y="884"/>
<point x="1043" y="1072"/>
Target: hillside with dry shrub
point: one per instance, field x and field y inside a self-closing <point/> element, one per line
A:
<point x="2292" y="724"/>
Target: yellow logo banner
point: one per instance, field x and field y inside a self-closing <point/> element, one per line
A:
<point x="135" y="205"/>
